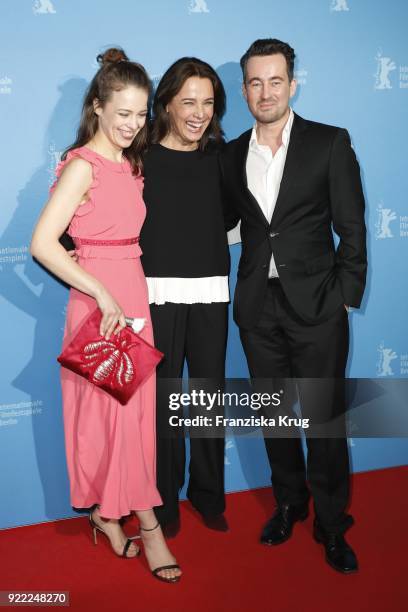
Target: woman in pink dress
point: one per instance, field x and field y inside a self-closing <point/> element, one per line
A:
<point x="98" y="193"/>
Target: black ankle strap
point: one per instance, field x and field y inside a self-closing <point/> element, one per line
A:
<point x="152" y="528"/>
<point x="126" y="547"/>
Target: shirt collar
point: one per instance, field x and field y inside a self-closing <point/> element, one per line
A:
<point x="253" y="142"/>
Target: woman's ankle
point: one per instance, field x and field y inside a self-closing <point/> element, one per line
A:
<point x="96" y="513"/>
<point x="148" y="521"/>
<point x="155" y="527"/>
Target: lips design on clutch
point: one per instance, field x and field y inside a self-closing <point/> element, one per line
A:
<point x="111" y="360"/>
<point x="117" y="366"/>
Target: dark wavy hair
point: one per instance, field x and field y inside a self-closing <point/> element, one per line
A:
<point x="171" y="83"/>
<point x="116" y="73"/>
<point x="270" y="46"/>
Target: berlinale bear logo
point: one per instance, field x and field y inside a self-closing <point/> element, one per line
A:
<point x="385" y="65"/>
<point x="198" y="6"/>
<point x="42" y="7"/>
<point x="384" y="362"/>
<point x="385" y="216"/>
<point x="339" y="5"/>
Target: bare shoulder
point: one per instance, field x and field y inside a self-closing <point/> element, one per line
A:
<point x="77" y="168"/>
<point x="76" y="175"/>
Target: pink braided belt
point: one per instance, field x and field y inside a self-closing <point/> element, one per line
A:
<point x="89" y="241"/>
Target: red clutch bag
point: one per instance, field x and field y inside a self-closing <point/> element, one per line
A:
<point x="118" y="365"/>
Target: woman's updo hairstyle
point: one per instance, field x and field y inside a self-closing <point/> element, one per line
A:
<point x="112" y="56"/>
<point x="115" y="73"/>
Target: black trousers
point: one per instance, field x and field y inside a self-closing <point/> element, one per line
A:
<point x="283" y="346"/>
<point x="196" y="333"/>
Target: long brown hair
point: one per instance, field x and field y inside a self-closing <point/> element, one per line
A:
<point x="171" y="83"/>
<point x="116" y="73"/>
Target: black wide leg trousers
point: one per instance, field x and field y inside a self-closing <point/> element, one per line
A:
<point x="283" y="346"/>
<point x="196" y="333"/>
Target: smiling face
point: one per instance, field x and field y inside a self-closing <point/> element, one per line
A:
<point x="122" y="116"/>
<point x="267" y="89"/>
<point x="190" y="112"/>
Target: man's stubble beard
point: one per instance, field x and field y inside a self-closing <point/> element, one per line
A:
<point x="269" y="117"/>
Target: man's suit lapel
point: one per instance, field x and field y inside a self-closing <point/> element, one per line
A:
<point x="293" y="159"/>
<point x="242" y="159"/>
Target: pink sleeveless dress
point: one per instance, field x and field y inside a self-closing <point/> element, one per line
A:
<point x="110" y="448"/>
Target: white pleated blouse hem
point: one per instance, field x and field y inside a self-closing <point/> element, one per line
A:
<point x="204" y="290"/>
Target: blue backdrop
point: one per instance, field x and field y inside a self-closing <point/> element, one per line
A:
<point x="352" y="70"/>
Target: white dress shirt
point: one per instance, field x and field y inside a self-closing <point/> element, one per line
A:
<point x="264" y="174"/>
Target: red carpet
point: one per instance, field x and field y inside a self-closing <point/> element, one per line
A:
<point x="227" y="572"/>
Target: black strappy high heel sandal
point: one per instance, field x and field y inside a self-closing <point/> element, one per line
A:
<point x="156" y="571"/>
<point x="129" y="541"/>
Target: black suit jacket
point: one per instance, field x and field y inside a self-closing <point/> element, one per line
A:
<point x="320" y="190"/>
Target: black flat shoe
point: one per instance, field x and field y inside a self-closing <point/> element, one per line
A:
<point x="339" y="555"/>
<point x="279" y="528"/>
<point x="217" y="522"/>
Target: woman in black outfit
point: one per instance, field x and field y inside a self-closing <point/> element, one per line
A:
<point x="186" y="263"/>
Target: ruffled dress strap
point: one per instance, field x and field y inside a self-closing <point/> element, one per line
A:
<point x="93" y="159"/>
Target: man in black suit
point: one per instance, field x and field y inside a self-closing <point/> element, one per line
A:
<point x="291" y="182"/>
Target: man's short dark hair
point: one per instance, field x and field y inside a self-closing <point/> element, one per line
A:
<point x="270" y="46"/>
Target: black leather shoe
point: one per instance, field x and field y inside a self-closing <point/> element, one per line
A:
<point x="217" y="522"/>
<point x="279" y="528"/>
<point x="339" y="555"/>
